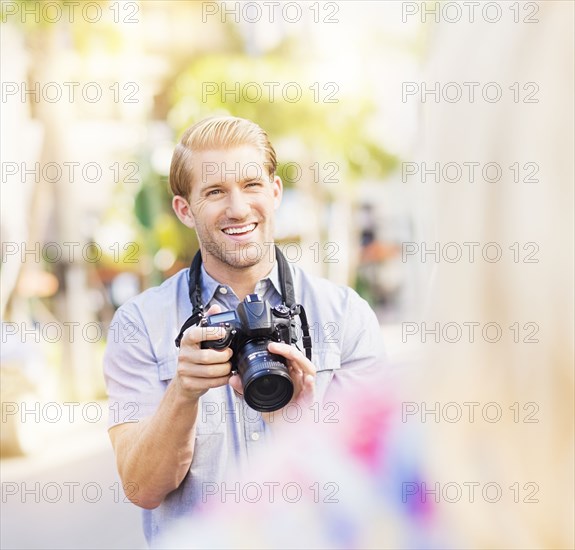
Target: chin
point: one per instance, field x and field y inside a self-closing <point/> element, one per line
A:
<point x="243" y="264"/>
<point x="233" y="258"/>
<point x="246" y="254"/>
<point x="240" y="262"/>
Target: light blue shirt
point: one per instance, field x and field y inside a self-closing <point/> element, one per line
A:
<point x="141" y="359"/>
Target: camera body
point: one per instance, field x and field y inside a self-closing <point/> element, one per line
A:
<point x="249" y="329"/>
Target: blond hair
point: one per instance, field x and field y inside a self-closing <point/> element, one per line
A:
<point x="217" y="132"/>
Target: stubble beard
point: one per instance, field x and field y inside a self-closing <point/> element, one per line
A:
<point x="236" y="255"/>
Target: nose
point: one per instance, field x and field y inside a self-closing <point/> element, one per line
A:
<point x="238" y="207"/>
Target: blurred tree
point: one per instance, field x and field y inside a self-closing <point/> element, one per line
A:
<point x="48" y="36"/>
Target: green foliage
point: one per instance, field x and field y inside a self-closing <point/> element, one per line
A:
<point x="327" y="124"/>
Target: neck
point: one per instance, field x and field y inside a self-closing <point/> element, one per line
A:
<point x="242" y="280"/>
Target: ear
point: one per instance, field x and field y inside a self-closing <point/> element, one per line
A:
<point x="183" y="210"/>
<point x="278" y="189"/>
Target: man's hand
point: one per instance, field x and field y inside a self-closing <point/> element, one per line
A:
<point x="201" y="369"/>
<point x="154" y="455"/>
<point x="301" y="370"/>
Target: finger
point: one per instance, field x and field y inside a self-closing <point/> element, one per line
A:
<point x="213" y="309"/>
<point x="307" y="394"/>
<point x="199" y="386"/>
<point x="309" y="385"/>
<point x="196" y="334"/>
<point x="294" y="357"/>
<point x="195" y="355"/>
<point x="214" y="370"/>
<point x="295" y="373"/>
<point x="217" y="382"/>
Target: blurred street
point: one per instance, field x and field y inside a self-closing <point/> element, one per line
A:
<point x="67" y="495"/>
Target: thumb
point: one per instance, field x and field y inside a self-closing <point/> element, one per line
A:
<point x="236" y="383"/>
<point x="213" y="309"/>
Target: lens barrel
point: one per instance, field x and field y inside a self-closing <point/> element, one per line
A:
<point x="267" y="384"/>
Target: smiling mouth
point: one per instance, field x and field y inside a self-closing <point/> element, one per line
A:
<point x="242" y="230"/>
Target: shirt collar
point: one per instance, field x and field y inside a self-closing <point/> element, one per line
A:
<point x="210" y="286"/>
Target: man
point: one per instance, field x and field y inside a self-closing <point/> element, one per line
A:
<point x="178" y="418"/>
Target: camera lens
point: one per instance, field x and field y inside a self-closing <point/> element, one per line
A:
<point x="267" y="384"/>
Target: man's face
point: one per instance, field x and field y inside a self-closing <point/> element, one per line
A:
<point x="232" y="204"/>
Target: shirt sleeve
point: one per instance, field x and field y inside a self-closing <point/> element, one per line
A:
<point x="362" y="350"/>
<point x="130" y="369"/>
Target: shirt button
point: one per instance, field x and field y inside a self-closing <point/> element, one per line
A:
<point x="223" y="290"/>
<point x="255" y="436"/>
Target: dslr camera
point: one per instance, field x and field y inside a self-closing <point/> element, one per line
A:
<point x="264" y="375"/>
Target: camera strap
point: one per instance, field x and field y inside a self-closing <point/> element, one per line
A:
<point x="287" y="291"/>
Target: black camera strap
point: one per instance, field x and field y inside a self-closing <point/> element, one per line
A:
<point x="286" y="281"/>
<point x="287" y="291"/>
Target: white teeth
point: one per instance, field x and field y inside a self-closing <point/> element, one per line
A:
<point x="237" y="230"/>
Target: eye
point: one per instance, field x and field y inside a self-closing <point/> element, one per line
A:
<point x="213" y="192"/>
<point x="254" y="184"/>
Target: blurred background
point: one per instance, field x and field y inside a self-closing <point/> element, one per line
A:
<point x="96" y="94"/>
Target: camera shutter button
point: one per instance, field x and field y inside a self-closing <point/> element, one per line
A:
<point x="282" y="311"/>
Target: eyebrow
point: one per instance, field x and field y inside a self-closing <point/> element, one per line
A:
<point x="209" y="186"/>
